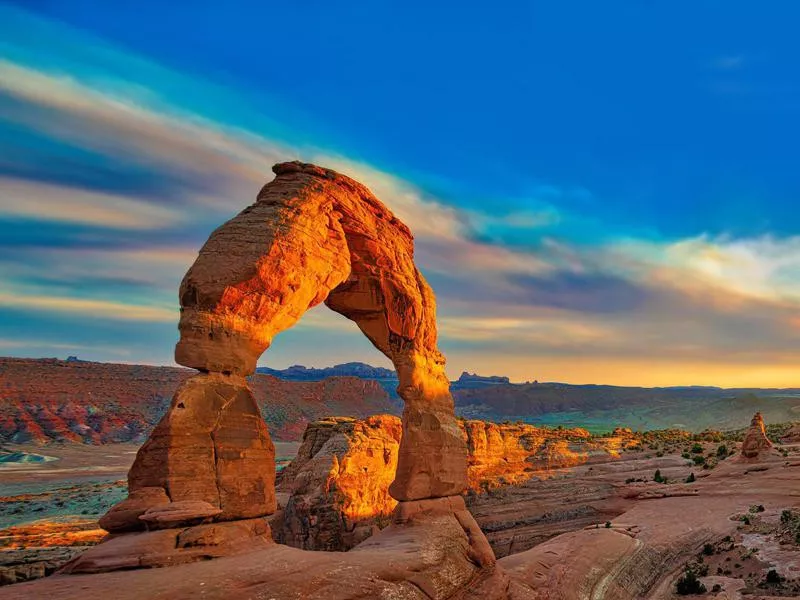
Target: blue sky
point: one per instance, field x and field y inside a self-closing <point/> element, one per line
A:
<point x="600" y="192"/>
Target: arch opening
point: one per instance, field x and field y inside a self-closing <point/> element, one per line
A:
<point x="312" y="236"/>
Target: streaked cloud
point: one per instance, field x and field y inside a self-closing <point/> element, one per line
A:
<point x="43" y="202"/>
<point x="89" y="308"/>
<point x="112" y="247"/>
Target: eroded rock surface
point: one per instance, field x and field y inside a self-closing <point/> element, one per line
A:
<point x="337" y="487"/>
<point x="212" y="446"/>
<point x="312" y="236"/>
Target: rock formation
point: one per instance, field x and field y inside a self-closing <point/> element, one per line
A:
<point x="792" y="436"/>
<point x="48" y="400"/>
<point x="336" y="489"/>
<point x="312" y="236"/>
<point x="755" y="440"/>
<point x="338" y="485"/>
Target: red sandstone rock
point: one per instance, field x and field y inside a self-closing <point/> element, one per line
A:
<point x="212" y="446"/>
<point x="755" y="440"/>
<point x="173" y="546"/>
<point x="314" y="235"/>
<point x="100" y="403"/>
<point x="177" y="514"/>
<point x="124" y="516"/>
<point x="339" y="483"/>
<point x="337" y="486"/>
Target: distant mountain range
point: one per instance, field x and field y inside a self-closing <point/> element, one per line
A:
<point x="45" y="400"/>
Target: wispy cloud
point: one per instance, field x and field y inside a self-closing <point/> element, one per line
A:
<point x="89" y="308"/>
<point x="44" y="202"/>
<point x="551" y="307"/>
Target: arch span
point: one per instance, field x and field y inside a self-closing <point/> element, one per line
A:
<point x="312" y="236"/>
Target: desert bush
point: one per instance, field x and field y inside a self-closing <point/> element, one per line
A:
<point x="773" y="576"/>
<point x="689" y="584"/>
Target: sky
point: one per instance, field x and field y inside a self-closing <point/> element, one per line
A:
<point x="600" y="192"/>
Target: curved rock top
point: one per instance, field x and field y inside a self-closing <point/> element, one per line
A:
<point x="315" y="235"/>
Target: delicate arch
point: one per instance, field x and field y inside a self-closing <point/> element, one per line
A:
<point x="314" y="235"/>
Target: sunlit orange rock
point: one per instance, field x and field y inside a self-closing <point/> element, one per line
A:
<point x="755" y="440"/>
<point x="512" y="453"/>
<point x="338" y="485"/>
<point x="49" y="534"/>
<point x="312" y="236"/>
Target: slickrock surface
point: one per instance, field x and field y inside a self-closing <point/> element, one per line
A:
<point x="337" y="486"/>
<point x="48" y="400"/>
<point x="432" y="551"/>
<point x="640" y="554"/>
<point x="312" y="236"/>
<point x="755" y="440"/>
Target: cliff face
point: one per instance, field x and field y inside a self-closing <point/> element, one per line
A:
<point x="47" y="400"/>
<point x="336" y="489"/>
<point x="508" y="454"/>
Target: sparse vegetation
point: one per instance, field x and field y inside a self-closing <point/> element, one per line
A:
<point x="689" y="584"/>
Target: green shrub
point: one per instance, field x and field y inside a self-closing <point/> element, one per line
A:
<point x="697" y="449"/>
<point x="708" y="549"/>
<point x="690" y="478"/>
<point x="773" y="577"/>
<point x="689" y="584"/>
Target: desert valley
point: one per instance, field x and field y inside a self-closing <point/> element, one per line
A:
<point x="221" y="480"/>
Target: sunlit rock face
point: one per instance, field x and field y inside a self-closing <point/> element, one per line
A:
<point x="312" y="236"/>
<point x="338" y="486"/>
<point x="212" y="447"/>
<point x="510" y="454"/>
<point x="755" y="440"/>
<point x="339" y="483"/>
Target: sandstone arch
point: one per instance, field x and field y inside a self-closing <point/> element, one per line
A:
<point x="313" y="235"/>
